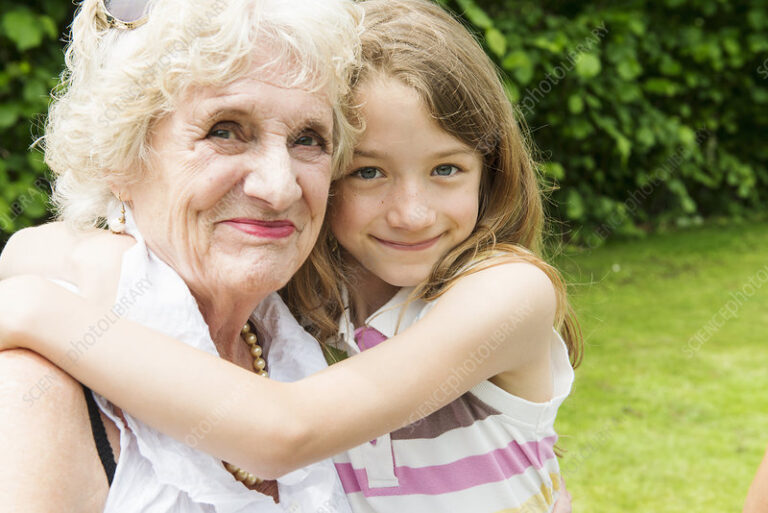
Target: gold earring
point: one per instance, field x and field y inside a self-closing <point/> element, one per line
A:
<point x="117" y="225"/>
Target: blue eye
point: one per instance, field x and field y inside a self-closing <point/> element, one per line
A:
<point x="221" y="133"/>
<point x="225" y="130"/>
<point x="445" y="170"/>
<point x="309" y="140"/>
<point x="367" y="173"/>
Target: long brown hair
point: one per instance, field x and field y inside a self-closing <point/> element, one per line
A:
<point x="420" y="44"/>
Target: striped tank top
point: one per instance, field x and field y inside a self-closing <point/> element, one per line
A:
<point x="486" y="452"/>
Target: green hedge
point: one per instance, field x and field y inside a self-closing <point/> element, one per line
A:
<point x="646" y="113"/>
<point x="649" y="113"/>
<point x="32" y="59"/>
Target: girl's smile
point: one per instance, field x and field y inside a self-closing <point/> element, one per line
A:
<point x="409" y="246"/>
<point x="412" y="193"/>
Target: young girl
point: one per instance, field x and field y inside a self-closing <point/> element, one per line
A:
<point x="427" y="273"/>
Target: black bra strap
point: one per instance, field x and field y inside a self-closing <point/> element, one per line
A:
<point x="100" y="436"/>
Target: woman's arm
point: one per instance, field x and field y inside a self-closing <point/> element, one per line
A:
<point x="493" y="321"/>
<point x="757" y="497"/>
<point x="48" y="459"/>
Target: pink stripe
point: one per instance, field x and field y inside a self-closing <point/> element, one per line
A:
<point x="367" y="337"/>
<point x="492" y="467"/>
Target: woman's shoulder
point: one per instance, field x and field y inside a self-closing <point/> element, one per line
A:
<point x="48" y="454"/>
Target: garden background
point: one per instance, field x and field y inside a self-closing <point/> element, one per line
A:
<point x="650" y="119"/>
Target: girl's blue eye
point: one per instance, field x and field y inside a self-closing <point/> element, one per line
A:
<point x="445" y="170"/>
<point x="367" y="173"/>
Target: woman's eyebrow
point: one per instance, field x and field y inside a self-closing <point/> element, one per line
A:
<point x="218" y="110"/>
<point x="317" y="124"/>
<point x="221" y="108"/>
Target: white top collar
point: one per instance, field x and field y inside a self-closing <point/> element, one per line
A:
<point x="386" y="319"/>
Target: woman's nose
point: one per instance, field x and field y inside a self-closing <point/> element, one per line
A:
<point x="272" y="179"/>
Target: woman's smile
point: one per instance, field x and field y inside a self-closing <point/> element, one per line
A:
<point x="278" y="229"/>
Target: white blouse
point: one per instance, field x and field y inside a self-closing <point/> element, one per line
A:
<point x="156" y="473"/>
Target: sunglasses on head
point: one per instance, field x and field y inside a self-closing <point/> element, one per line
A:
<point x="123" y="14"/>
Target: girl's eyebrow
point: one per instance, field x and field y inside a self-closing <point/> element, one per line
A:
<point x="371" y="154"/>
<point x="453" y="152"/>
<point x="450" y="152"/>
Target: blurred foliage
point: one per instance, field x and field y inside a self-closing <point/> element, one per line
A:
<point x="646" y="113"/>
<point x="32" y="59"/>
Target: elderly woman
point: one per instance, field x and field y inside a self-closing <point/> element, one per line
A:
<point x="206" y="130"/>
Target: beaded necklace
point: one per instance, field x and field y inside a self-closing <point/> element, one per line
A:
<point x="259" y="365"/>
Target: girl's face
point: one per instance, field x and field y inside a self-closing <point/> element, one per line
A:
<point x="412" y="191"/>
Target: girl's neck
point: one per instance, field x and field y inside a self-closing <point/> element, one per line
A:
<point x="368" y="294"/>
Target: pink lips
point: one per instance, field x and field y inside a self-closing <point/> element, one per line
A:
<point x="409" y="246"/>
<point x="265" y="229"/>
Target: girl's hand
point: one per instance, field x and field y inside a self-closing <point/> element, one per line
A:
<point x="91" y="260"/>
<point x="31" y="250"/>
<point x="19" y="313"/>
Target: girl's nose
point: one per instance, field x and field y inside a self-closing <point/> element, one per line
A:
<point x="411" y="211"/>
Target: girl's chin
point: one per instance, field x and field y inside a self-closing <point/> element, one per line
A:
<point x="406" y="279"/>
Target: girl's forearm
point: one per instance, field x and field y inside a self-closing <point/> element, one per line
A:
<point x="266" y="427"/>
<point x="270" y="428"/>
<point x="141" y="370"/>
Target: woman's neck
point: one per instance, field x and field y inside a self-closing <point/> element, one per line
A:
<point x="225" y="319"/>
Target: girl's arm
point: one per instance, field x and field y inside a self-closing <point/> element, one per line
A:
<point x="495" y="320"/>
<point x="28" y="251"/>
<point x="90" y="259"/>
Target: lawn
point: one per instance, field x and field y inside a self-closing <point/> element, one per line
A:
<point x="669" y="412"/>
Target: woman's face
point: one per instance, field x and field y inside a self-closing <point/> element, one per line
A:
<point x="236" y="190"/>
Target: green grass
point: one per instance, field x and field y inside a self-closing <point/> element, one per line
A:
<point x="658" y="422"/>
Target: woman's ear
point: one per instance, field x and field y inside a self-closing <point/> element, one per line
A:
<point x="121" y="192"/>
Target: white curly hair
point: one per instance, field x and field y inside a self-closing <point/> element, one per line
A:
<point x="118" y="82"/>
